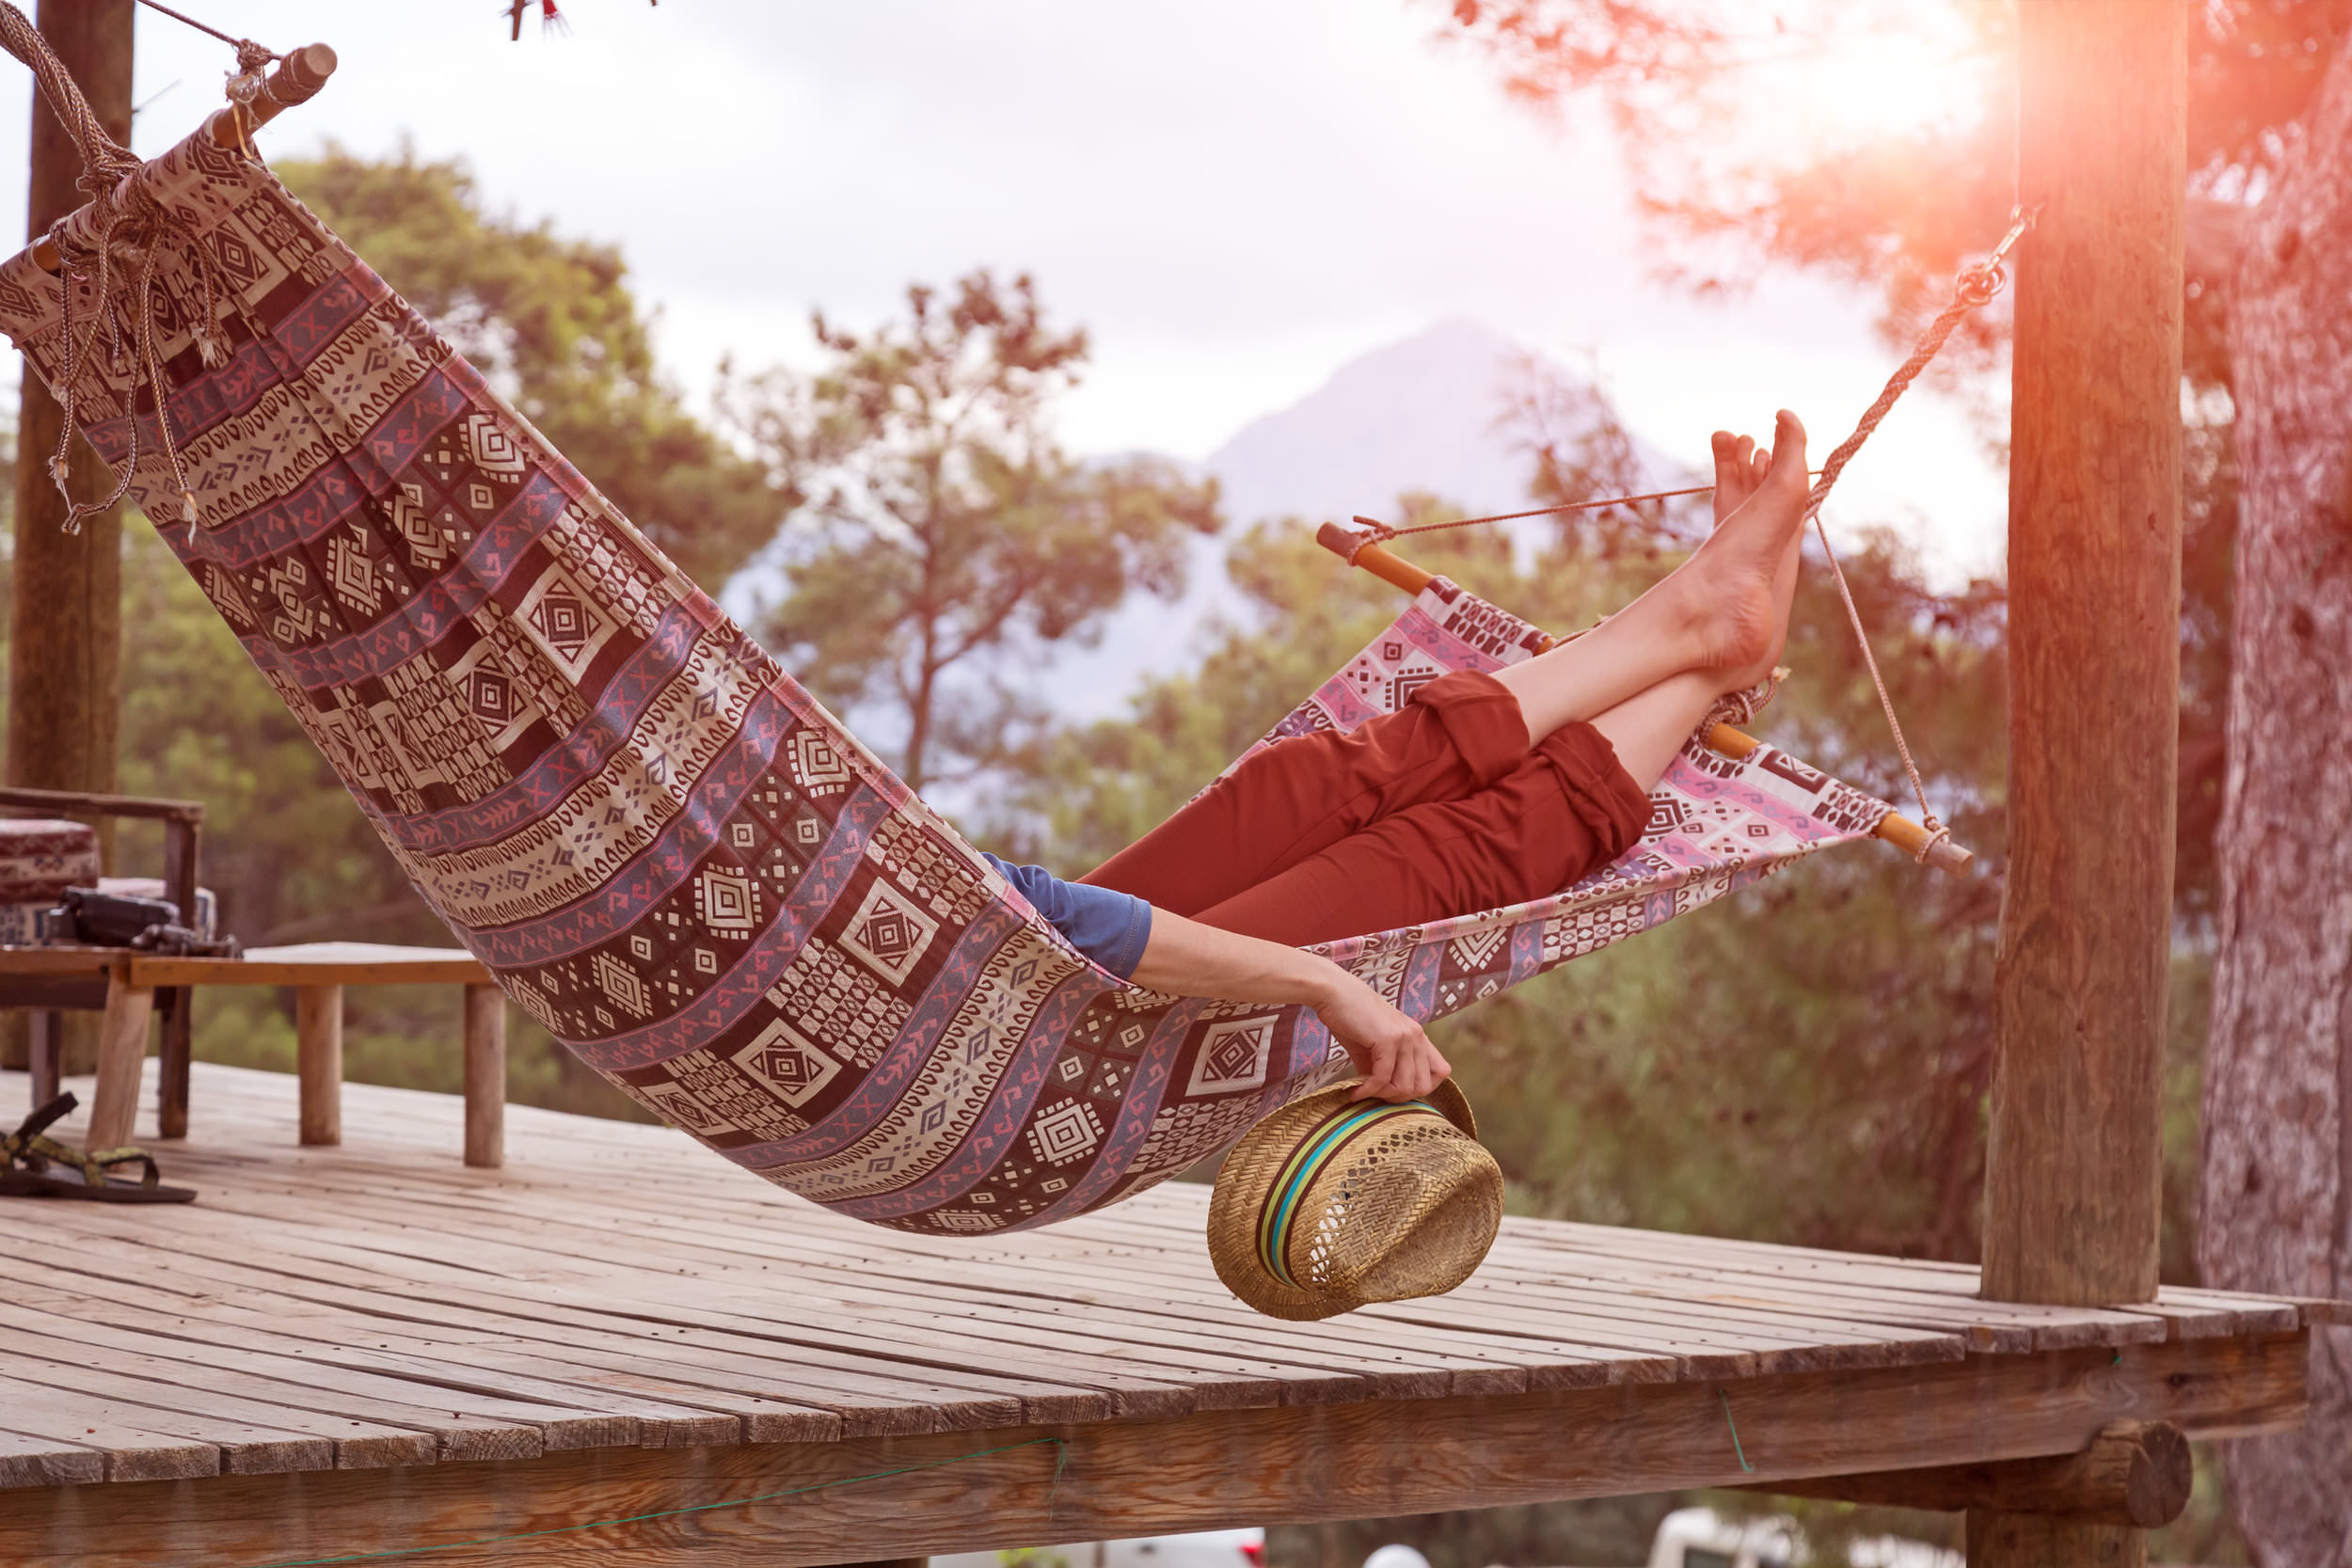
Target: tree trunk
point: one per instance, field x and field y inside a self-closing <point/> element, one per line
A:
<point x="66" y="626"/>
<point x="65" y="637"/>
<point x="2277" y="1202"/>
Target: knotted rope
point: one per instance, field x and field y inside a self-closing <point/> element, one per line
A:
<point x="1974" y="288"/>
<point x="122" y="216"/>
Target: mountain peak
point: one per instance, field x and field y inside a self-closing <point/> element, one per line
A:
<point x="1426" y="413"/>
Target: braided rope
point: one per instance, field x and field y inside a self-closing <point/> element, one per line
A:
<point x="1975" y="286"/>
<point x="105" y="160"/>
<point x="1964" y="300"/>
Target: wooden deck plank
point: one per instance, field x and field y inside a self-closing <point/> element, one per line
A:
<point x="851" y="1343"/>
<point x="1956" y="1278"/>
<point x="661" y="1413"/>
<point x="594" y="1339"/>
<point x="457" y="1434"/>
<point x="1127" y="1269"/>
<point x="1882" y="1281"/>
<point x="352" y="1443"/>
<point x="47" y="1462"/>
<point x="237" y="1446"/>
<point x="1468" y="1368"/>
<point x="614" y="1291"/>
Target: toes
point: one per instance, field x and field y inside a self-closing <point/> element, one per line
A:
<point x="1788" y="448"/>
<point x="1731" y="486"/>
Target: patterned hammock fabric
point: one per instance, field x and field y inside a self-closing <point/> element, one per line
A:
<point x="670" y="855"/>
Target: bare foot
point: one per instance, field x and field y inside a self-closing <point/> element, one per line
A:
<point x="1735" y="588"/>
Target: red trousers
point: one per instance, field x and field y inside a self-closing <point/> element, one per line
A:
<point x="1439" y="809"/>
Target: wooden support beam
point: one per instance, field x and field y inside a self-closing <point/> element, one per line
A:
<point x="2080" y="978"/>
<point x="182" y="878"/>
<point x="486" y="1076"/>
<point x="2135" y="1473"/>
<point x="121" y="1047"/>
<point x="319" y="1061"/>
<point x="786" y="1504"/>
<point x="45" y="1055"/>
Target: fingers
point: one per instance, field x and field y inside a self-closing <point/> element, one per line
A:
<point x="1407" y="1067"/>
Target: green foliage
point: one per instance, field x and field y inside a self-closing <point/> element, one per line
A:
<point x="945" y="538"/>
<point x="551" y="323"/>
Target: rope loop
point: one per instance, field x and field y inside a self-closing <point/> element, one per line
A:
<point x="1937" y="833"/>
<point x="1977" y="285"/>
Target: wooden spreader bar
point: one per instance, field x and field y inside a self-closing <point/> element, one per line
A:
<point x="1389" y="567"/>
<point x="297" y="78"/>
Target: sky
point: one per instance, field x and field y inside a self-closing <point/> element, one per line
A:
<point x="1234" y="196"/>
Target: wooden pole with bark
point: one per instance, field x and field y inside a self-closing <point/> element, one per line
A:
<point x="65" y="626"/>
<point x="2072" y="1174"/>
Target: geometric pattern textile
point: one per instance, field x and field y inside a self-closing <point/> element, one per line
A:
<point x="40" y="858"/>
<point x="667" y="853"/>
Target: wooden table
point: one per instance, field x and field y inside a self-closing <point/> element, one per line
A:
<point x="318" y="971"/>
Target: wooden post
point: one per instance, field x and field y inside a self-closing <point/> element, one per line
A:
<point x="45" y="1053"/>
<point x="181" y="870"/>
<point x="486" y="1076"/>
<point x="2071" y="1170"/>
<point x="121" y="1051"/>
<point x="319" y="1061"/>
<point x="65" y="642"/>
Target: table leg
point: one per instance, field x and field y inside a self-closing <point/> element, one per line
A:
<point x="319" y="1061"/>
<point x="122" y="1051"/>
<point x="45" y="1053"/>
<point x="486" y="1076"/>
<point x="171" y="1095"/>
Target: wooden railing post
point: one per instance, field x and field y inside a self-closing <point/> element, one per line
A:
<point x="2072" y="1167"/>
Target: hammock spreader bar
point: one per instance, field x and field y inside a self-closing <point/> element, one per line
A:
<point x="1920" y="844"/>
<point x="669" y="854"/>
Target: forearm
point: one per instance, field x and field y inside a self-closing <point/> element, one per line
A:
<point x="1391" y="1051"/>
<point x="1183" y="958"/>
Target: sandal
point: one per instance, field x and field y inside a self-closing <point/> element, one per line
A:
<point x="33" y="1165"/>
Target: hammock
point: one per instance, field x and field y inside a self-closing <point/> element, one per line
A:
<point x="670" y="855"/>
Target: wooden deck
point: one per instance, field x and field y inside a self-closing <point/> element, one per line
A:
<point x="371" y="1349"/>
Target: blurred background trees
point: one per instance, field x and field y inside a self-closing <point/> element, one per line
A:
<point x="946" y="540"/>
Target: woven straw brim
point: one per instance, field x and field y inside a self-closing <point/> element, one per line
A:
<point x="1408" y="1207"/>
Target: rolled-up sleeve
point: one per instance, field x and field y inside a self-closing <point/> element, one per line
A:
<point x="1108" y="926"/>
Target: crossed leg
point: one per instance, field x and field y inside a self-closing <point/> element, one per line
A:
<point x="1490" y="791"/>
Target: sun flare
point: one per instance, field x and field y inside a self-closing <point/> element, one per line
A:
<point x="1875" y="85"/>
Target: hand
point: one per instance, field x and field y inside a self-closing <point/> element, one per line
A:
<point x="1391" y="1053"/>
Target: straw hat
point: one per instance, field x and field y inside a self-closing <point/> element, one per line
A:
<point x="1330" y="1203"/>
